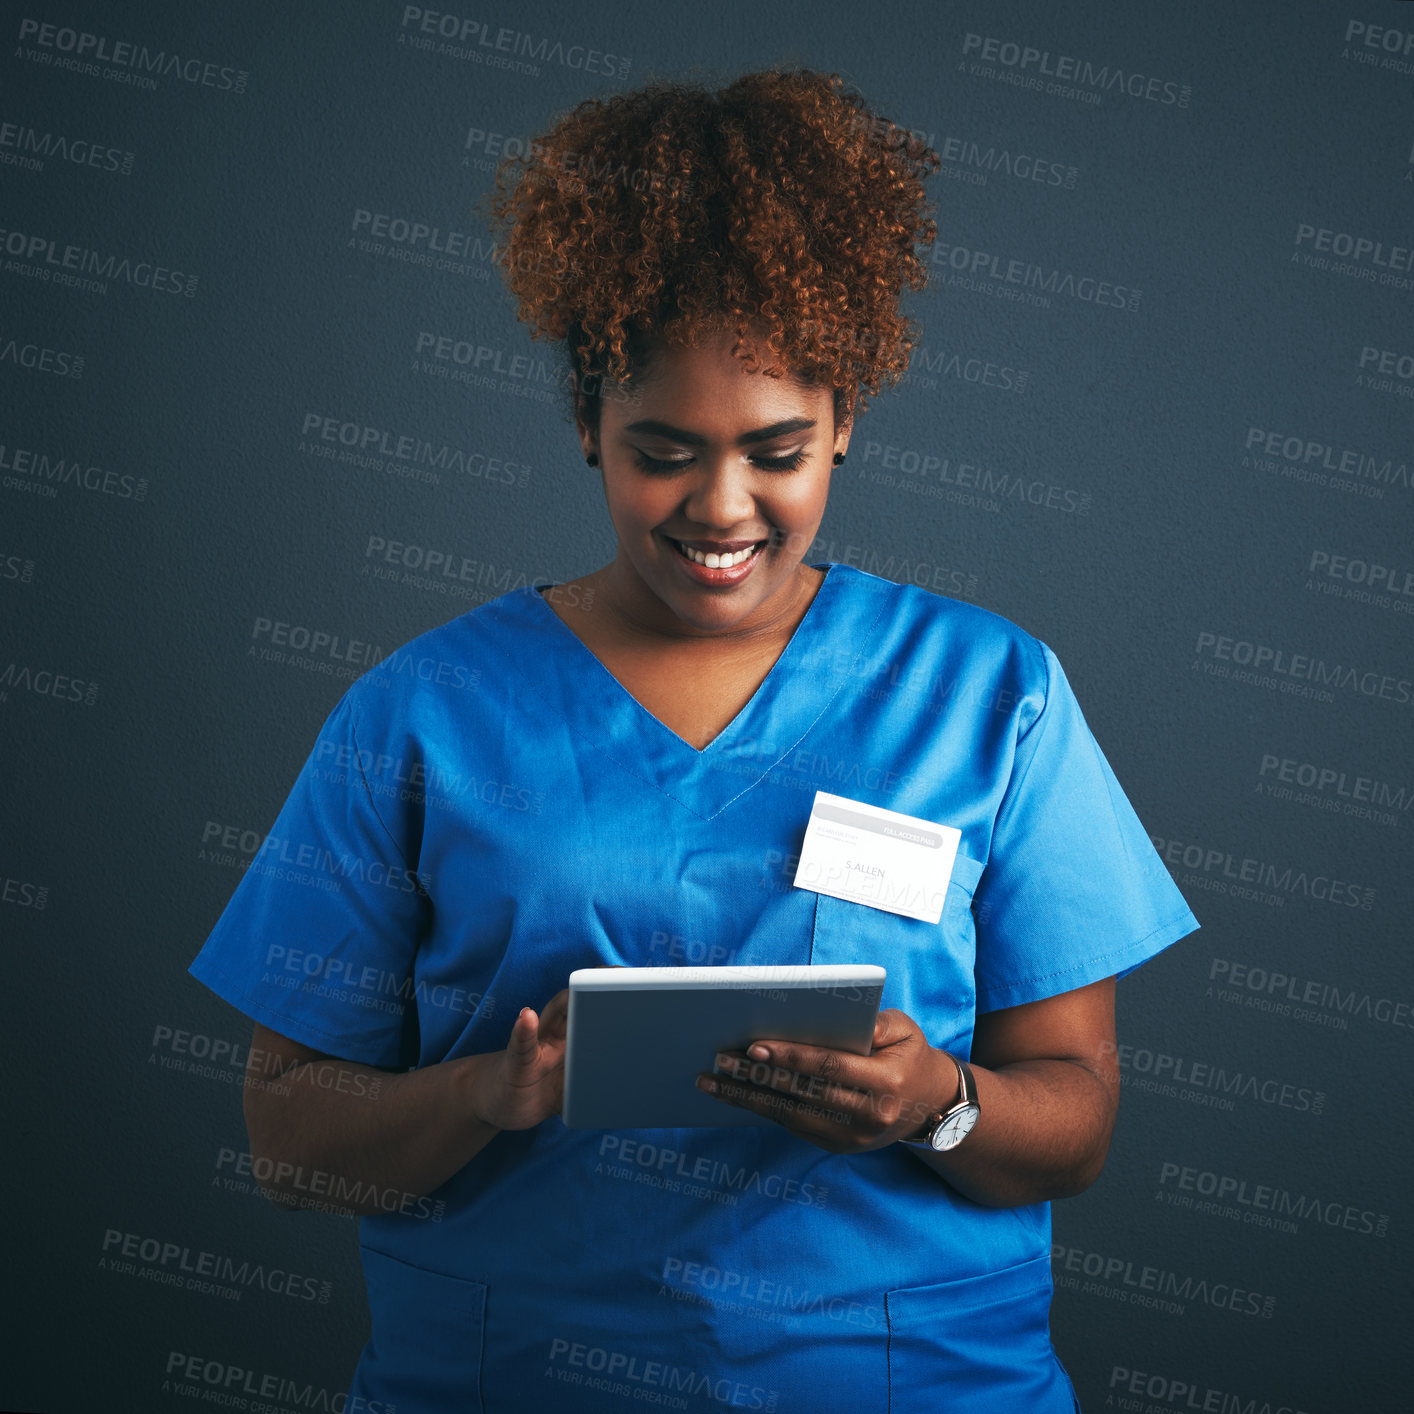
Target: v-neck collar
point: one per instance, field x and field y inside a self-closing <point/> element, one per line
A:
<point x="761" y="688"/>
<point x="819" y="657"/>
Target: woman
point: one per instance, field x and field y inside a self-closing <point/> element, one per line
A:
<point x="619" y="770"/>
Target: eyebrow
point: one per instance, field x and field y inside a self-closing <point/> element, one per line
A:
<point x="650" y="426"/>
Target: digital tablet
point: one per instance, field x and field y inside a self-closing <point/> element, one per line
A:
<point x="637" y="1037"/>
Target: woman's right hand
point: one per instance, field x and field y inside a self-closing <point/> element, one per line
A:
<point x="525" y="1083"/>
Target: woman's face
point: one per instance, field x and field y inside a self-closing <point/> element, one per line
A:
<point x="709" y="462"/>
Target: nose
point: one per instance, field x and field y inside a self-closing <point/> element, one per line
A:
<point x="720" y="496"/>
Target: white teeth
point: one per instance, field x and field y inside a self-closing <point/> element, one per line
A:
<point x="714" y="561"/>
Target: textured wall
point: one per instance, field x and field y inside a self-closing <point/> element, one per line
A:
<point x="265" y="414"/>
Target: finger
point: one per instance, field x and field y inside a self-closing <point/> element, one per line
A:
<point x="809" y="1117"/>
<point x="762" y="1075"/>
<point x="554" y="1016"/>
<point x="828" y="1129"/>
<point x="878" y="1101"/>
<point x="809" y="1090"/>
<point x="768" y="1075"/>
<point x="840" y="1067"/>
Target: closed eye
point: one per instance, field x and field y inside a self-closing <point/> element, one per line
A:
<point x="656" y="467"/>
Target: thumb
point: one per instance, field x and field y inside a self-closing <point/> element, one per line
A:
<point x="524" y="1044"/>
<point x="886" y="1027"/>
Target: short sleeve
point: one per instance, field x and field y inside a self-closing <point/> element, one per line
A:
<point x="318" y="940"/>
<point x="1073" y="890"/>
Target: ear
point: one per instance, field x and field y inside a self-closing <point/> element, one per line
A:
<point x="588" y="441"/>
<point x="842" y="433"/>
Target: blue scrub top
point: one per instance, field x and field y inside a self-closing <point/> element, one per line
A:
<point x="487" y="809"/>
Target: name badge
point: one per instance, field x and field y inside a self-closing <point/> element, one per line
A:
<point x="877" y="857"/>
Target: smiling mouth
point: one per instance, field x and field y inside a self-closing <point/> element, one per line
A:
<point x="716" y="559"/>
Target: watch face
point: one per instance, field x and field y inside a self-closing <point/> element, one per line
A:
<point x="955" y="1128"/>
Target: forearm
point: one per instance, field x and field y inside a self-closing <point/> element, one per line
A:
<point x="1043" y="1133"/>
<point x="363" y="1140"/>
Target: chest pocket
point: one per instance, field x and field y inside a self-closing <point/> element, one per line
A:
<point x="929" y="965"/>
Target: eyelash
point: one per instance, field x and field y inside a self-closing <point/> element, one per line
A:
<point x="654" y="467"/>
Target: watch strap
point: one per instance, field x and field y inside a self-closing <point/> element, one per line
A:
<point x="966" y="1098"/>
<point x="967" y="1087"/>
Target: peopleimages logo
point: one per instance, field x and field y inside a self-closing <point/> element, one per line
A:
<point x="445" y="572"/>
<point x="1263" y="1204"/>
<point x="317" y="1188"/>
<point x="39" y="358"/>
<point x="404" y="778"/>
<point x="17" y="568"/>
<point x="45" y="682"/>
<point x="217" y="1382"/>
<point x="749" y="1293"/>
<point x="678" y="1172"/>
<point x="1300" y="674"/>
<point x="282" y="635"/>
<point x="1364" y="581"/>
<point x="1247" y="877"/>
<point x="39" y="257"/>
<point x="1143" y="1285"/>
<point x="419" y="235"/>
<point x="402" y="454"/>
<point x="1333" y="789"/>
<point x="457" y="37"/>
<point x="78" y="50"/>
<point x="1353" y="256"/>
<point x="1028" y="67"/>
<point x="978" y="369"/>
<point x="1312" y="459"/>
<point x="421" y="244"/>
<point x="20" y="892"/>
<point x="1361" y="249"/>
<point x="1024" y="281"/>
<point x="1387" y="362"/>
<point x="926" y="574"/>
<point x="969" y="160"/>
<point x="573" y="169"/>
<point x="176" y="1264"/>
<point x="633" y="1377"/>
<point x="1162" y="1073"/>
<point x="303" y="855"/>
<point x="1133" y="1388"/>
<point x="936" y="475"/>
<point x="1303" y="998"/>
<point x="493" y="369"/>
<point x="1379" y="46"/>
<point x="23" y="146"/>
<point x="44" y="473"/>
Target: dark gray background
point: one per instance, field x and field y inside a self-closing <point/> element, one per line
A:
<point x="136" y="718"/>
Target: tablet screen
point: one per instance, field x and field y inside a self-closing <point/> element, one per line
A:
<point x="639" y="1036"/>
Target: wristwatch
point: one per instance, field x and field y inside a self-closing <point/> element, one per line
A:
<point x="946" y="1129"/>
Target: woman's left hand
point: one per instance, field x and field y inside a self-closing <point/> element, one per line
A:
<point x="840" y="1101"/>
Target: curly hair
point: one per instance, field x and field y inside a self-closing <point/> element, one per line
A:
<point x="660" y="215"/>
